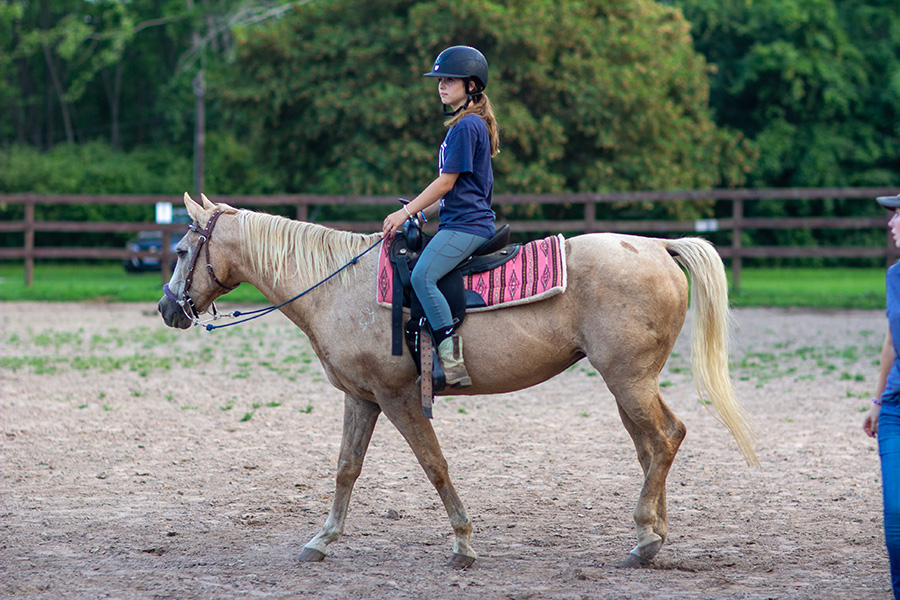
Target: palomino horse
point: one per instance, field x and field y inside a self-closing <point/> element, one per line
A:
<point x="623" y="309"/>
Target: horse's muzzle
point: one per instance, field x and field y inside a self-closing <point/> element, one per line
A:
<point x="172" y="314"/>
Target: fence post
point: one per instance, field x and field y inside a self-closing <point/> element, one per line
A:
<point x="302" y="212"/>
<point x="737" y="216"/>
<point x="590" y="216"/>
<point x="29" y="241"/>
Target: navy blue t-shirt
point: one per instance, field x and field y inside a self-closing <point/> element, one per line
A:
<point x="467" y="150"/>
<point x="891" y="393"/>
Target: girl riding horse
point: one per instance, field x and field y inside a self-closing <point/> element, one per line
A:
<point x="463" y="187"/>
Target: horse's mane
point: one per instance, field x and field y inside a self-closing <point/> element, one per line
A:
<point x="273" y="244"/>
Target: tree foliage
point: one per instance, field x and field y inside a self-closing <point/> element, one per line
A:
<point x="815" y="83"/>
<point x="591" y="95"/>
<point x="78" y="70"/>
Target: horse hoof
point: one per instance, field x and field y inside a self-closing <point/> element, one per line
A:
<point x="632" y="561"/>
<point x="311" y="555"/>
<point x="460" y="561"/>
<point x="641" y="555"/>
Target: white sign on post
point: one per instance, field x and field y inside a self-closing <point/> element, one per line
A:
<point x="706" y="225"/>
<point x="163" y="212"/>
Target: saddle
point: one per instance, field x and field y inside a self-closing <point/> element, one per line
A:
<point x="405" y="250"/>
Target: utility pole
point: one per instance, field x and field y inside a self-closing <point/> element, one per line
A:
<point x="199" y="130"/>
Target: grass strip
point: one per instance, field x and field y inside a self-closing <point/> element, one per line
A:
<point x="845" y="288"/>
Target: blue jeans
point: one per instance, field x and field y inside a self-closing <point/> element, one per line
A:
<point x="889" y="449"/>
<point x="441" y="255"/>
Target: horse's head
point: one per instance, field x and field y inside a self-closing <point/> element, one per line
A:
<point x="202" y="272"/>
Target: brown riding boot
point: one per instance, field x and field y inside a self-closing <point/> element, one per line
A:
<point x="450" y="352"/>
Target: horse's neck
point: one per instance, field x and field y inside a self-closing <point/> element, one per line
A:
<point x="322" y="299"/>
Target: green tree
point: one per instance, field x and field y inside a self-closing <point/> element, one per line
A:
<point x="9" y="14"/>
<point x="78" y="69"/>
<point x="598" y="95"/>
<point x="122" y="71"/>
<point x="814" y="83"/>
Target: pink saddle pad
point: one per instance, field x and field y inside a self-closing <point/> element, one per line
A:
<point x="537" y="272"/>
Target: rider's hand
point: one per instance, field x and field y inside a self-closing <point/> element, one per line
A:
<point x="393" y="222"/>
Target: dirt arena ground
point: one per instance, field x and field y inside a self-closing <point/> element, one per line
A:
<point x="143" y="462"/>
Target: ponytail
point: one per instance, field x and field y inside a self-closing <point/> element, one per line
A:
<point x="481" y="106"/>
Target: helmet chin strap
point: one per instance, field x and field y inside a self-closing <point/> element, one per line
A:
<point x="470" y="97"/>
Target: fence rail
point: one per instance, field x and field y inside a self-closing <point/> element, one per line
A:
<point x="735" y="223"/>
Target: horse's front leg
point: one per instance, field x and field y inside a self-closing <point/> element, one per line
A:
<point x="359" y="423"/>
<point x="406" y="415"/>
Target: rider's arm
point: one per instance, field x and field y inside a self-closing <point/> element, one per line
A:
<point x="436" y="190"/>
<point x="428" y="198"/>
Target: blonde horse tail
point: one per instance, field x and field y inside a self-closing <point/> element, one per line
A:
<point x="710" y="338"/>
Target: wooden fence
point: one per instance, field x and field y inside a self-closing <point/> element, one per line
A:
<point x="734" y="223"/>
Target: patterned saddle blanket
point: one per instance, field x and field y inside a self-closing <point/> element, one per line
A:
<point x="536" y="272"/>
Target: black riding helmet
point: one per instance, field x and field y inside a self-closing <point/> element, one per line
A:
<point x="463" y="62"/>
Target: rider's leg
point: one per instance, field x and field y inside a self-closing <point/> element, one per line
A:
<point x="443" y="254"/>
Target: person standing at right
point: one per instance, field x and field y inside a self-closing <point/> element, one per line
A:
<point x="883" y="419"/>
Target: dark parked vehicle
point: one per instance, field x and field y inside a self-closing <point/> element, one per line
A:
<point x="152" y="241"/>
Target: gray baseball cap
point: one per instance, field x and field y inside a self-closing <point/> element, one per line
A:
<point x="889" y="202"/>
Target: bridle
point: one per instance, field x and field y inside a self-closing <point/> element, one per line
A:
<point x="190" y="309"/>
<point x="185" y="302"/>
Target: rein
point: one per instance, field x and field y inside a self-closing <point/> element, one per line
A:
<point x="185" y="300"/>
<point x="261" y="312"/>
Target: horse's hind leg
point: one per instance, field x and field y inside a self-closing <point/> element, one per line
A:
<point x="419" y="434"/>
<point x="359" y="423"/>
<point x="657" y="435"/>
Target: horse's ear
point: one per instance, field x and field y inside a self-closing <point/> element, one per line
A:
<point x="194" y="208"/>
<point x="207" y="204"/>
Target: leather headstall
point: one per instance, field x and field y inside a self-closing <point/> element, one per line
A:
<point x="205" y="236"/>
